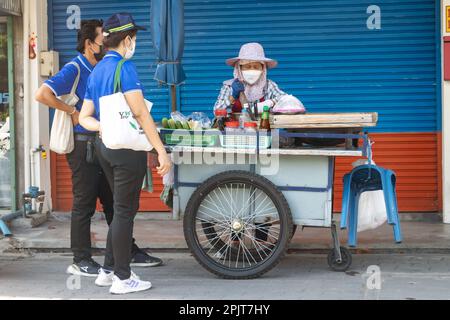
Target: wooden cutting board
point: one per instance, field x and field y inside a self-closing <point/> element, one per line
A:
<point x="325" y="120"/>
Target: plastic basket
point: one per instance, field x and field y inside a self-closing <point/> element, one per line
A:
<point x="190" y="138"/>
<point x="245" y="141"/>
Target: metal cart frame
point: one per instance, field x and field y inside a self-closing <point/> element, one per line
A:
<point x="305" y="178"/>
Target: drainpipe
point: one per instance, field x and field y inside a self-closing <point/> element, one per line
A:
<point x="6" y="218"/>
<point x="26" y="89"/>
<point x="12" y="115"/>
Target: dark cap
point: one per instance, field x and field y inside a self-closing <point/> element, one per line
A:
<point x="120" y="22"/>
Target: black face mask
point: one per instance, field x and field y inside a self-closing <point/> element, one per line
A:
<point x="99" y="56"/>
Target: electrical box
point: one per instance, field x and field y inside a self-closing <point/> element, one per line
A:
<point x="447" y="58"/>
<point x="49" y="63"/>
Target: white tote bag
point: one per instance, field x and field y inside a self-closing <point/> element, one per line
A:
<point x="120" y="130"/>
<point x="61" y="135"/>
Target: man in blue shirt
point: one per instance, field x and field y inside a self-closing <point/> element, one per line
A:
<point x="88" y="180"/>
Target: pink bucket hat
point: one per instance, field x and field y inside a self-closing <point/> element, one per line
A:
<point x="255" y="52"/>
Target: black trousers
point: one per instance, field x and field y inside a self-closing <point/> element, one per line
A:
<point x="88" y="183"/>
<point x="125" y="171"/>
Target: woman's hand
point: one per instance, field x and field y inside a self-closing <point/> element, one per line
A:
<point x="75" y="118"/>
<point x="165" y="164"/>
<point x="237" y="88"/>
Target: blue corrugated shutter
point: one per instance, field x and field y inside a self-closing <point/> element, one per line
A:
<point x="327" y="55"/>
<point x="64" y="40"/>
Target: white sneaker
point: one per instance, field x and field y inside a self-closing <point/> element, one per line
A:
<point x="105" y="278"/>
<point x="128" y="286"/>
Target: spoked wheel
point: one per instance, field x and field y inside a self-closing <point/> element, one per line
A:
<point x="237" y="225"/>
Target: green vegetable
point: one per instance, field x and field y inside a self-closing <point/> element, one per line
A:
<point x="172" y="124"/>
<point x="186" y="126"/>
<point x="165" y="123"/>
<point x="179" y="125"/>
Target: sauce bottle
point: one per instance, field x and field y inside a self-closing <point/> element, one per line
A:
<point x="221" y="116"/>
<point x="265" y="120"/>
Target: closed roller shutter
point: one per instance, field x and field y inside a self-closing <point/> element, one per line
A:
<point x="63" y="40"/>
<point x="328" y="58"/>
<point x="334" y="63"/>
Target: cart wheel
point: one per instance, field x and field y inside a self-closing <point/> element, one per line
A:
<point x="344" y="264"/>
<point x="237" y="225"/>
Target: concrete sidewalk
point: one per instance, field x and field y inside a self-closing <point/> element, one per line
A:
<point x="166" y="234"/>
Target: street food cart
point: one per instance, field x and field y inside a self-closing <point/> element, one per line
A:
<point x="242" y="204"/>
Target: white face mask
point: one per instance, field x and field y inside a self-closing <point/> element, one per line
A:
<point x="251" y="76"/>
<point x="130" y="51"/>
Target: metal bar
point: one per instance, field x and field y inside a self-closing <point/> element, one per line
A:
<point x="281" y="133"/>
<point x="50" y="24"/>
<point x="282" y="188"/>
<point x="12" y="120"/>
<point x="320" y="135"/>
<point x="176" y="183"/>
<point x="336" y="243"/>
<point x="173" y="97"/>
<point x="330" y="172"/>
<point x="306" y="189"/>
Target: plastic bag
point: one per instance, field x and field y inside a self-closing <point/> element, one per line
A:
<point x="371" y="207"/>
<point x="289" y="104"/>
<point x="200" y="120"/>
<point x="178" y="116"/>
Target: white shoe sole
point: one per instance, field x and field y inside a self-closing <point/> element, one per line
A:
<point x="145" y="264"/>
<point x="103" y="283"/>
<point x="74" y="271"/>
<point x="130" y="291"/>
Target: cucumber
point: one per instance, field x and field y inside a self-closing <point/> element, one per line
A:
<point x="165" y="123"/>
<point x="172" y="124"/>
<point x="186" y="126"/>
<point x="179" y="125"/>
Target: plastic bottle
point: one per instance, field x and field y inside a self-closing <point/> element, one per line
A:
<point x="250" y="127"/>
<point x="232" y="136"/>
<point x="250" y="130"/>
<point x="245" y="117"/>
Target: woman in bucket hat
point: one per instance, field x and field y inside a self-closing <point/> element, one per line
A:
<point x="250" y="83"/>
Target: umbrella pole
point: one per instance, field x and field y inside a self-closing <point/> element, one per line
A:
<point x="173" y="92"/>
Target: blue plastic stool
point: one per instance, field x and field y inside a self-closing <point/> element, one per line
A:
<point x="368" y="178"/>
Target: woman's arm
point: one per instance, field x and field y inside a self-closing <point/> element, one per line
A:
<point x="275" y="93"/>
<point x="223" y="100"/>
<point x="87" y="121"/>
<point x="46" y="96"/>
<point x="135" y="100"/>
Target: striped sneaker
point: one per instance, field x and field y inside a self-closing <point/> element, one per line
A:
<point x="105" y="278"/>
<point x="128" y="286"/>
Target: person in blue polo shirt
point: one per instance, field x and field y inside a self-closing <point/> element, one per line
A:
<point x="88" y="180"/>
<point x="124" y="168"/>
